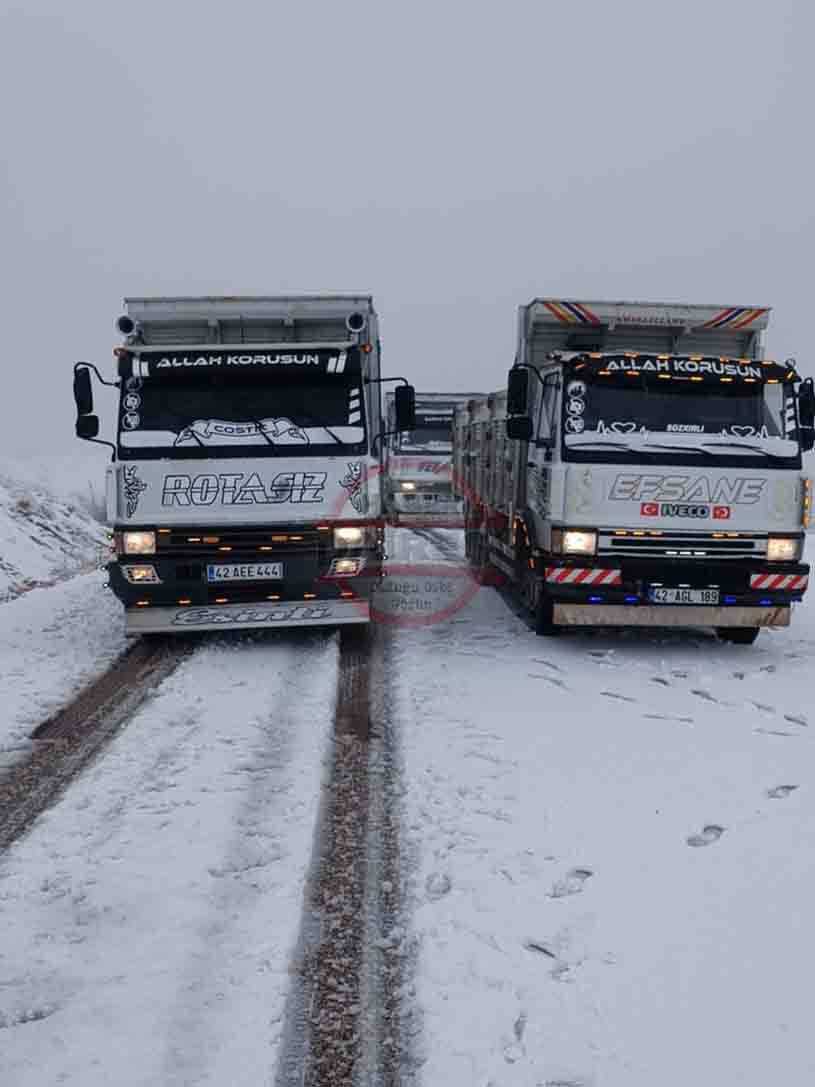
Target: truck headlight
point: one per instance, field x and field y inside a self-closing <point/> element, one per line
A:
<point x="408" y="486"/>
<point x="348" y="536"/>
<point x="783" y="548"/>
<point x="139" y="543"/>
<point x="577" y="541"/>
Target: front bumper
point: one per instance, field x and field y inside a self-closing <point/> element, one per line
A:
<point x="261" y="614"/>
<point x="668" y="615"/>
<point x="607" y="591"/>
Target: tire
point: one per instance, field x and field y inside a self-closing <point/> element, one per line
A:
<point x="738" y="635"/>
<point x="533" y="596"/>
<point x="543" y="617"/>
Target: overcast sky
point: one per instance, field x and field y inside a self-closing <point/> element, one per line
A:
<point x="453" y="159"/>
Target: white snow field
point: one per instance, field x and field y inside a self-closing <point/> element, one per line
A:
<point x="149" y="920"/>
<point x="614" y="840"/>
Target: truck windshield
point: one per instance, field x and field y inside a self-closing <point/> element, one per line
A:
<point x="739" y="419"/>
<point x="428" y="437"/>
<point x="246" y="418"/>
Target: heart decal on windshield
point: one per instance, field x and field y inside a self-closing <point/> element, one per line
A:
<point x="623" y="428"/>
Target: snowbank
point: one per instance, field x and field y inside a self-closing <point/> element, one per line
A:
<point x="50" y="514"/>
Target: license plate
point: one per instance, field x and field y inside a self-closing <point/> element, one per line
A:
<point x="683" y="596"/>
<point x="245" y="571"/>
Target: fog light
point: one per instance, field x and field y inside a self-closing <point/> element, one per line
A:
<point x="141" y="575"/>
<point x="782" y="549"/>
<point x="139" y="543"/>
<point x="345" y="567"/>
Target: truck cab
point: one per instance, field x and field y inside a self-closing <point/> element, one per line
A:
<point x="244" y="488"/>
<point x="643" y="467"/>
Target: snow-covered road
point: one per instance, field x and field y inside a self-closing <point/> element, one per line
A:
<point x="149" y="919"/>
<point x="606" y="838"/>
<point x="576" y="922"/>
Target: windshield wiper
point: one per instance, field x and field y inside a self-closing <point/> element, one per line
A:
<point x="319" y="422"/>
<point x="186" y="425"/>
<point x="744" y="445"/>
<point x="673" y="448"/>
<point x="603" y="442"/>
<point x="259" y="425"/>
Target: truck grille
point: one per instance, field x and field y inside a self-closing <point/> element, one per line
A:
<point x="684" y="545"/>
<point x="279" y="541"/>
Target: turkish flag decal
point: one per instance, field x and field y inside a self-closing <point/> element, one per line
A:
<point x="721" y="513"/>
<point x="649" y="509"/>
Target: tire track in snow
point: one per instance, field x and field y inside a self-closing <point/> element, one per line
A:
<point x="342" y="1013"/>
<point x="67" y="742"/>
<point x="257" y="843"/>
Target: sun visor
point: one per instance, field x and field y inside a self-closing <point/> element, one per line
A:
<point x="699" y="368"/>
<point x="238" y="363"/>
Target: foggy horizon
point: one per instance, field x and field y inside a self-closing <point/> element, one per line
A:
<point x="454" y="163"/>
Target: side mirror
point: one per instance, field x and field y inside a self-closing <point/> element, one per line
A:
<point x="519" y="429"/>
<point x="83" y="394"/>
<point x="806" y="414"/>
<point x="87" y="427"/>
<point x="517" y="391"/>
<point x="404" y="399"/>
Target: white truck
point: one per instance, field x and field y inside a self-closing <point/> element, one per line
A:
<point x="245" y="483"/>
<point x="418" y="468"/>
<point x="641" y="468"/>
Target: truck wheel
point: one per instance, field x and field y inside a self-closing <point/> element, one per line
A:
<point x="543" y="616"/>
<point x="738" y="635"/>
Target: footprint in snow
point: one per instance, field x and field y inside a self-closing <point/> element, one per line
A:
<point x="708" y="836"/>
<point x="571" y="884"/>
<point x="667" y="717"/>
<point x="781" y="792"/>
<point x="763" y="707"/>
<point x="437" y="885"/>
<point x="679" y="675"/>
<point x="541" y="948"/>
<point x="738" y="675"/>
<point x="549" y="679"/>
<point x="548" y="664"/>
<point x="619" y="697"/>
<point x="706" y="695"/>
<point x="796" y="719"/>
<point x="661" y="680"/>
<point x="767" y="668"/>
<point x="773" y="732"/>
